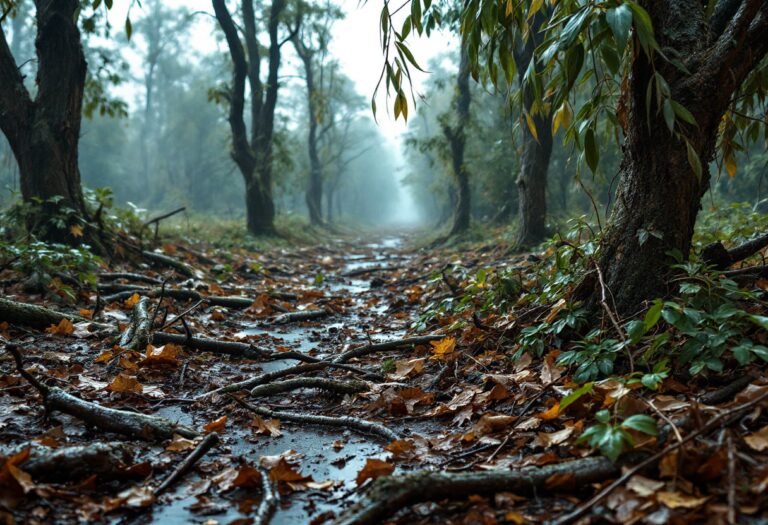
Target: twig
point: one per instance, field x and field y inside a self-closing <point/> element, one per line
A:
<point x="185" y="466"/>
<point x="612" y="316"/>
<point x="732" y="512"/>
<point x="269" y="499"/>
<point x="362" y="425"/>
<point x="711" y="424"/>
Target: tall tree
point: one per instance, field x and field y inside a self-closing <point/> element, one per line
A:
<point x="43" y="131"/>
<point x="456" y="136"/>
<point x="688" y="69"/>
<point x="536" y="131"/>
<point x="311" y="44"/>
<point x="253" y="155"/>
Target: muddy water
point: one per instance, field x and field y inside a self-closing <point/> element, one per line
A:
<point x="328" y="454"/>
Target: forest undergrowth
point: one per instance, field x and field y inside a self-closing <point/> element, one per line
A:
<point x="363" y="380"/>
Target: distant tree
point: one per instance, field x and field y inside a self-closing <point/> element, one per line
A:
<point x="253" y="152"/>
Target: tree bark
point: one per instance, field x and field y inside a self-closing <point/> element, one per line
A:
<point x="253" y="155"/>
<point x="532" y="179"/>
<point x="44" y="133"/>
<point x="456" y="136"/>
<point x="659" y="194"/>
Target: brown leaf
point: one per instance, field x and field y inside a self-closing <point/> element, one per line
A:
<point x="166" y="355"/>
<point x="374" y="468"/>
<point x="644" y="486"/>
<point x="284" y="471"/>
<point x="132" y="300"/>
<point x="76" y="230"/>
<point x="407" y="368"/>
<point x="125" y="384"/>
<point x="216" y="426"/>
<point x="443" y="348"/>
<point x="271" y="427"/>
<point x="552" y="413"/>
<point x="180" y="444"/>
<point x="758" y="440"/>
<point x="65" y="327"/>
<point x="677" y="500"/>
<point x="550" y="439"/>
<point x="247" y="478"/>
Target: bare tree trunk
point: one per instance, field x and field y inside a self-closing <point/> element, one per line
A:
<point x="44" y="133"/>
<point x="456" y="136"/>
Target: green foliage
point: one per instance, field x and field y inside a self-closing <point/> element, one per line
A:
<point x="613" y="437"/>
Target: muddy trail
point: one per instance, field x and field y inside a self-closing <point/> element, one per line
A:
<point x="350" y="383"/>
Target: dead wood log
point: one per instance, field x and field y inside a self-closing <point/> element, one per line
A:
<point x="72" y="463"/>
<point x="390" y="494"/>
<point x="211" y="345"/>
<point x="349" y="422"/>
<point x="330" y="385"/>
<point x="189" y="462"/>
<point x="364" y="350"/>
<point x="304" y="315"/>
<point x="137" y="335"/>
<point x="721" y="258"/>
<point x="134" y="424"/>
<point x="40" y="317"/>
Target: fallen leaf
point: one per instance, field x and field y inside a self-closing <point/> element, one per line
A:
<point x="643" y="486"/>
<point x="443" y="348"/>
<point x="676" y="500"/>
<point x="758" y="440"/>
<point x="166" y="355"/>
<point x="407" y="368"/>
<point x="552" y="413"/>
<point x="374" y="468"/>
<point x="85" y="312"/>
<point x="132" y="300"/>
<point x="247" y="478"/>
<point x="550" y="439"/>
<point x="76" y="230"/>
<point x="124" y="383"/>
<point x="216" y="426"/>
<point x="65" y="327"/>
<point x="180" y="444"/>
<point x="271" y="427"/>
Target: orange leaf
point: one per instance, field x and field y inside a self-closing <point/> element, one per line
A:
<point x="247" y="477"/>
<point x="76" y="230"/>
<point x="374" y="468"/>
<point x="271" y="427"/>
<point x="216" y="426"/>
<point x="65" y="327"/>
<point x="132" y="300"/>
<point x="164" y="356"/>
<point x="180" y="444"/>
<point x="443" y="348"/>
<point x="125" y="383"/>
<point x="85" y="312"/>
<point x="284" y="471"/>
<point x="552" y="413"/>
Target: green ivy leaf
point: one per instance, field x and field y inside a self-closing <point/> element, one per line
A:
<point x="641" y="423"/>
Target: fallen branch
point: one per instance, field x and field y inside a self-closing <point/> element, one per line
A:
<point x="164" y="260"/>
<point x="390" y="494"/>
<point x="304" y="315"/>
<point x="387" y="345"/>
<point x="129" y="276"/>
<point x="266" y="378"/>
<point x="721" y="258"/>
<point x="270" y="498"/>
<point x="185" y="466"/>
<point x="137" y="335"/>
<point x="372" y="269"/>
<point x="106" y="460"/>
<point x="361" y="425"/>
<point x="134" y="424"/>
<point x="39" y="316"/>
<point x="330" y="385"/>
<point x="210" y="345"/>
<point x="181" y="295"/>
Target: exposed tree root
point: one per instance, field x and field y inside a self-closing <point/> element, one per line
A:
<point x="389" y="495"/>
<point x="330" y="385"/>
<point x="40" y="317"/>
<point x="361" y="351"/>
<point x="75" y="463"/>
<point x="361" y="425"/>
<point x="266" y="378"/>
<point x="202" y="448"/>
<point x="137" y="335"/>
<point x="211" y="345"/>
<point x="143" y="426"/>
<point x="305" y="315"/>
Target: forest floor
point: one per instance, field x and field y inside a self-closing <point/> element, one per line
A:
<point x="297" y="371"/>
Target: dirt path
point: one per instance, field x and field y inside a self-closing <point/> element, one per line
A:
<point x="371" y="292"/>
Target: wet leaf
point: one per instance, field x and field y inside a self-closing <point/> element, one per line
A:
<point x="758" y="440"/>
<point x="373" y="469"/>
<point x="132" y="300"/>
<point x="65" y="327"/>
<point x="269" y="427"/>
<point x="216" y="425"/>
<point x="124" y="383"/>
<point x="677" y="500"/>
